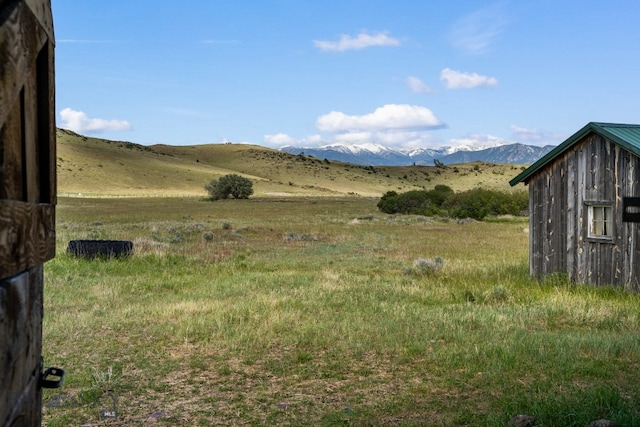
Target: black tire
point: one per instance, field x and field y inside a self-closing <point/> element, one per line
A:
<point x="100" y="248"/>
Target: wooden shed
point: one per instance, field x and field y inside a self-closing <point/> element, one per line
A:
<point x="27" y="201"/>
<point x="584" y="207"/>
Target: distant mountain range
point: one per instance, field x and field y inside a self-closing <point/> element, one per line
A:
<point x="378" y="155"/>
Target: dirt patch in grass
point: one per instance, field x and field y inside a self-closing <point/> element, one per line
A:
<point x="280" y="387"/>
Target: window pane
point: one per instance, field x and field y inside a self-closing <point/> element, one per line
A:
<point x="601" y="220"/>
<point x="597" y="213"/>
<point x="597" y="228"/>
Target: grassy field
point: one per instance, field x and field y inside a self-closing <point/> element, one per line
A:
<point x="314" y="311"/>
<point x="98" y="167"/>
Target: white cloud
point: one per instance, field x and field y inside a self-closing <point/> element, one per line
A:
<point x="452" y="79"/>
<point x="385" y="118"/>
<point x="477" y="32"/>
<point x="537" y="136"/>
<point x="391" y="139"/>
<point x="361" y="41"/>
<point x="392" y="125"/>
<point x="279" y="139"/>
<point x="416" y="85"/>
<point x="78" y="121"/>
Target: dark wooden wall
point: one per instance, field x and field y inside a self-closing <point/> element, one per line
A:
<point x="593" y="169"/>
<point x="27" y="200"/>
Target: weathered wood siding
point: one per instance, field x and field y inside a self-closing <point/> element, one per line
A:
<point x="593" y="170"/>
<point x="27" y="200"/>
<point x="21" y="320"/>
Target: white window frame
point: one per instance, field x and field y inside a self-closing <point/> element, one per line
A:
<point x="601" y="220"/>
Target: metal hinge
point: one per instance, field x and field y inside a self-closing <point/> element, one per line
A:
<point x="51" y="377"/>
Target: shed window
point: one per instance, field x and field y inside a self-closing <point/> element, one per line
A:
<point x="600" y="221"/>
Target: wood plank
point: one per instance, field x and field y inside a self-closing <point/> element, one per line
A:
<point x="31" y="192"/>
<point x="536" y="235"/>
<point x="534" y="216"/>
<point x="581" y="214"/>
<point x="560" y="213"/>
<point x="21" y="343"/>
<point x="27" y="236"/>
<point x="571" y="212"/>
<point x="619" y="260"/>
<point x="41" y="10"/>
<point x="11" y="159"/>
<point x="22" y="39"/>
<point x="547" y="226"/>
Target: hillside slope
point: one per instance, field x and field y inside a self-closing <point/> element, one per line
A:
<point x="93" y="166"/>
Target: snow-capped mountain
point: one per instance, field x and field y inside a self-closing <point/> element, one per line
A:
<point x="512" y="153"/>
<point x="379" y="155"/>
<point x="359" y="154"/>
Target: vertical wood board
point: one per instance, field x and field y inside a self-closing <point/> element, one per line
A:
<point x="20" y="341"/>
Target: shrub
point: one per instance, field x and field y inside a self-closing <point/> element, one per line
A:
<point x="440" y="194"/>
<point x="429" y="265"/>
<point x="389" y="203"/>
<point x="441" y="200"/>
<point x="497" y="294"/>
<point x="424" y="266"/>
<point x="417" y="202"/>
<point x="479" y="202"/>
<point x="469" y="204"/>
<point x="300" y="237"/>
<point x="233" y="185"/>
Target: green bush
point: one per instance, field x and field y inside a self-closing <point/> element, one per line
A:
<point x="441" y="200"/>
<point x="233" y="185"/>
<point x="416" y="202"/>
<point x="479" y="202"/>
<point x="440" y="194"/>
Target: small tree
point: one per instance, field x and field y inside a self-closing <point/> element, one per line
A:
<point x="233" y="185"/>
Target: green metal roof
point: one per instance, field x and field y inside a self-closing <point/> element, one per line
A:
<point x="627" y="136"/>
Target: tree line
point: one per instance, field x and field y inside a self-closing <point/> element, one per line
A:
<point x="439" y="201"/>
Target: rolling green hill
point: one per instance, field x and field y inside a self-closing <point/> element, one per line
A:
<point x="93" y="166"/>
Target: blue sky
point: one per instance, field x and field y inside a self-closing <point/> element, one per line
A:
<point x="402" y="73"/>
